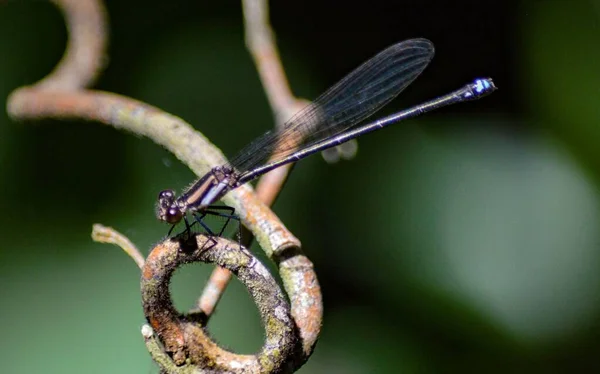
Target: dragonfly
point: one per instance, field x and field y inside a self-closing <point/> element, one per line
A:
<point x="334" y="118"/>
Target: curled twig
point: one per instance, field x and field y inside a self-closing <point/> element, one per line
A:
<point x="184" y="337"/>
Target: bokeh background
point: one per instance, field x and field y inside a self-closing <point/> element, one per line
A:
<point x="467" y="240"/>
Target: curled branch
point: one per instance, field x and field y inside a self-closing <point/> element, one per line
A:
<point x="184" y="338"/>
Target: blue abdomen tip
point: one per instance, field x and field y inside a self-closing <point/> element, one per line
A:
<point x="484" y="86"/>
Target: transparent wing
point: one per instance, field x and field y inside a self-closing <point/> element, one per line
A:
<point x="356" y="97"/>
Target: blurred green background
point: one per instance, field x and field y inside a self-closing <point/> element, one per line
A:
<point x="467" y="240"/>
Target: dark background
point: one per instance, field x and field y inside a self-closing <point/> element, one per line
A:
<point x="463" y="241"/>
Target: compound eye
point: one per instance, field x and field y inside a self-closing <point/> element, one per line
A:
<point x="166" y="199"/>
<point x="166" y="194"/>
<point x="173" y="215"/>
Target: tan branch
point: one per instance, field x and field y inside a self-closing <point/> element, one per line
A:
<point x="85" y="53"/>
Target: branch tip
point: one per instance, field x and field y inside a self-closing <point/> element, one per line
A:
<point x="104" y="234"/>
<point x="147" y="331"/>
